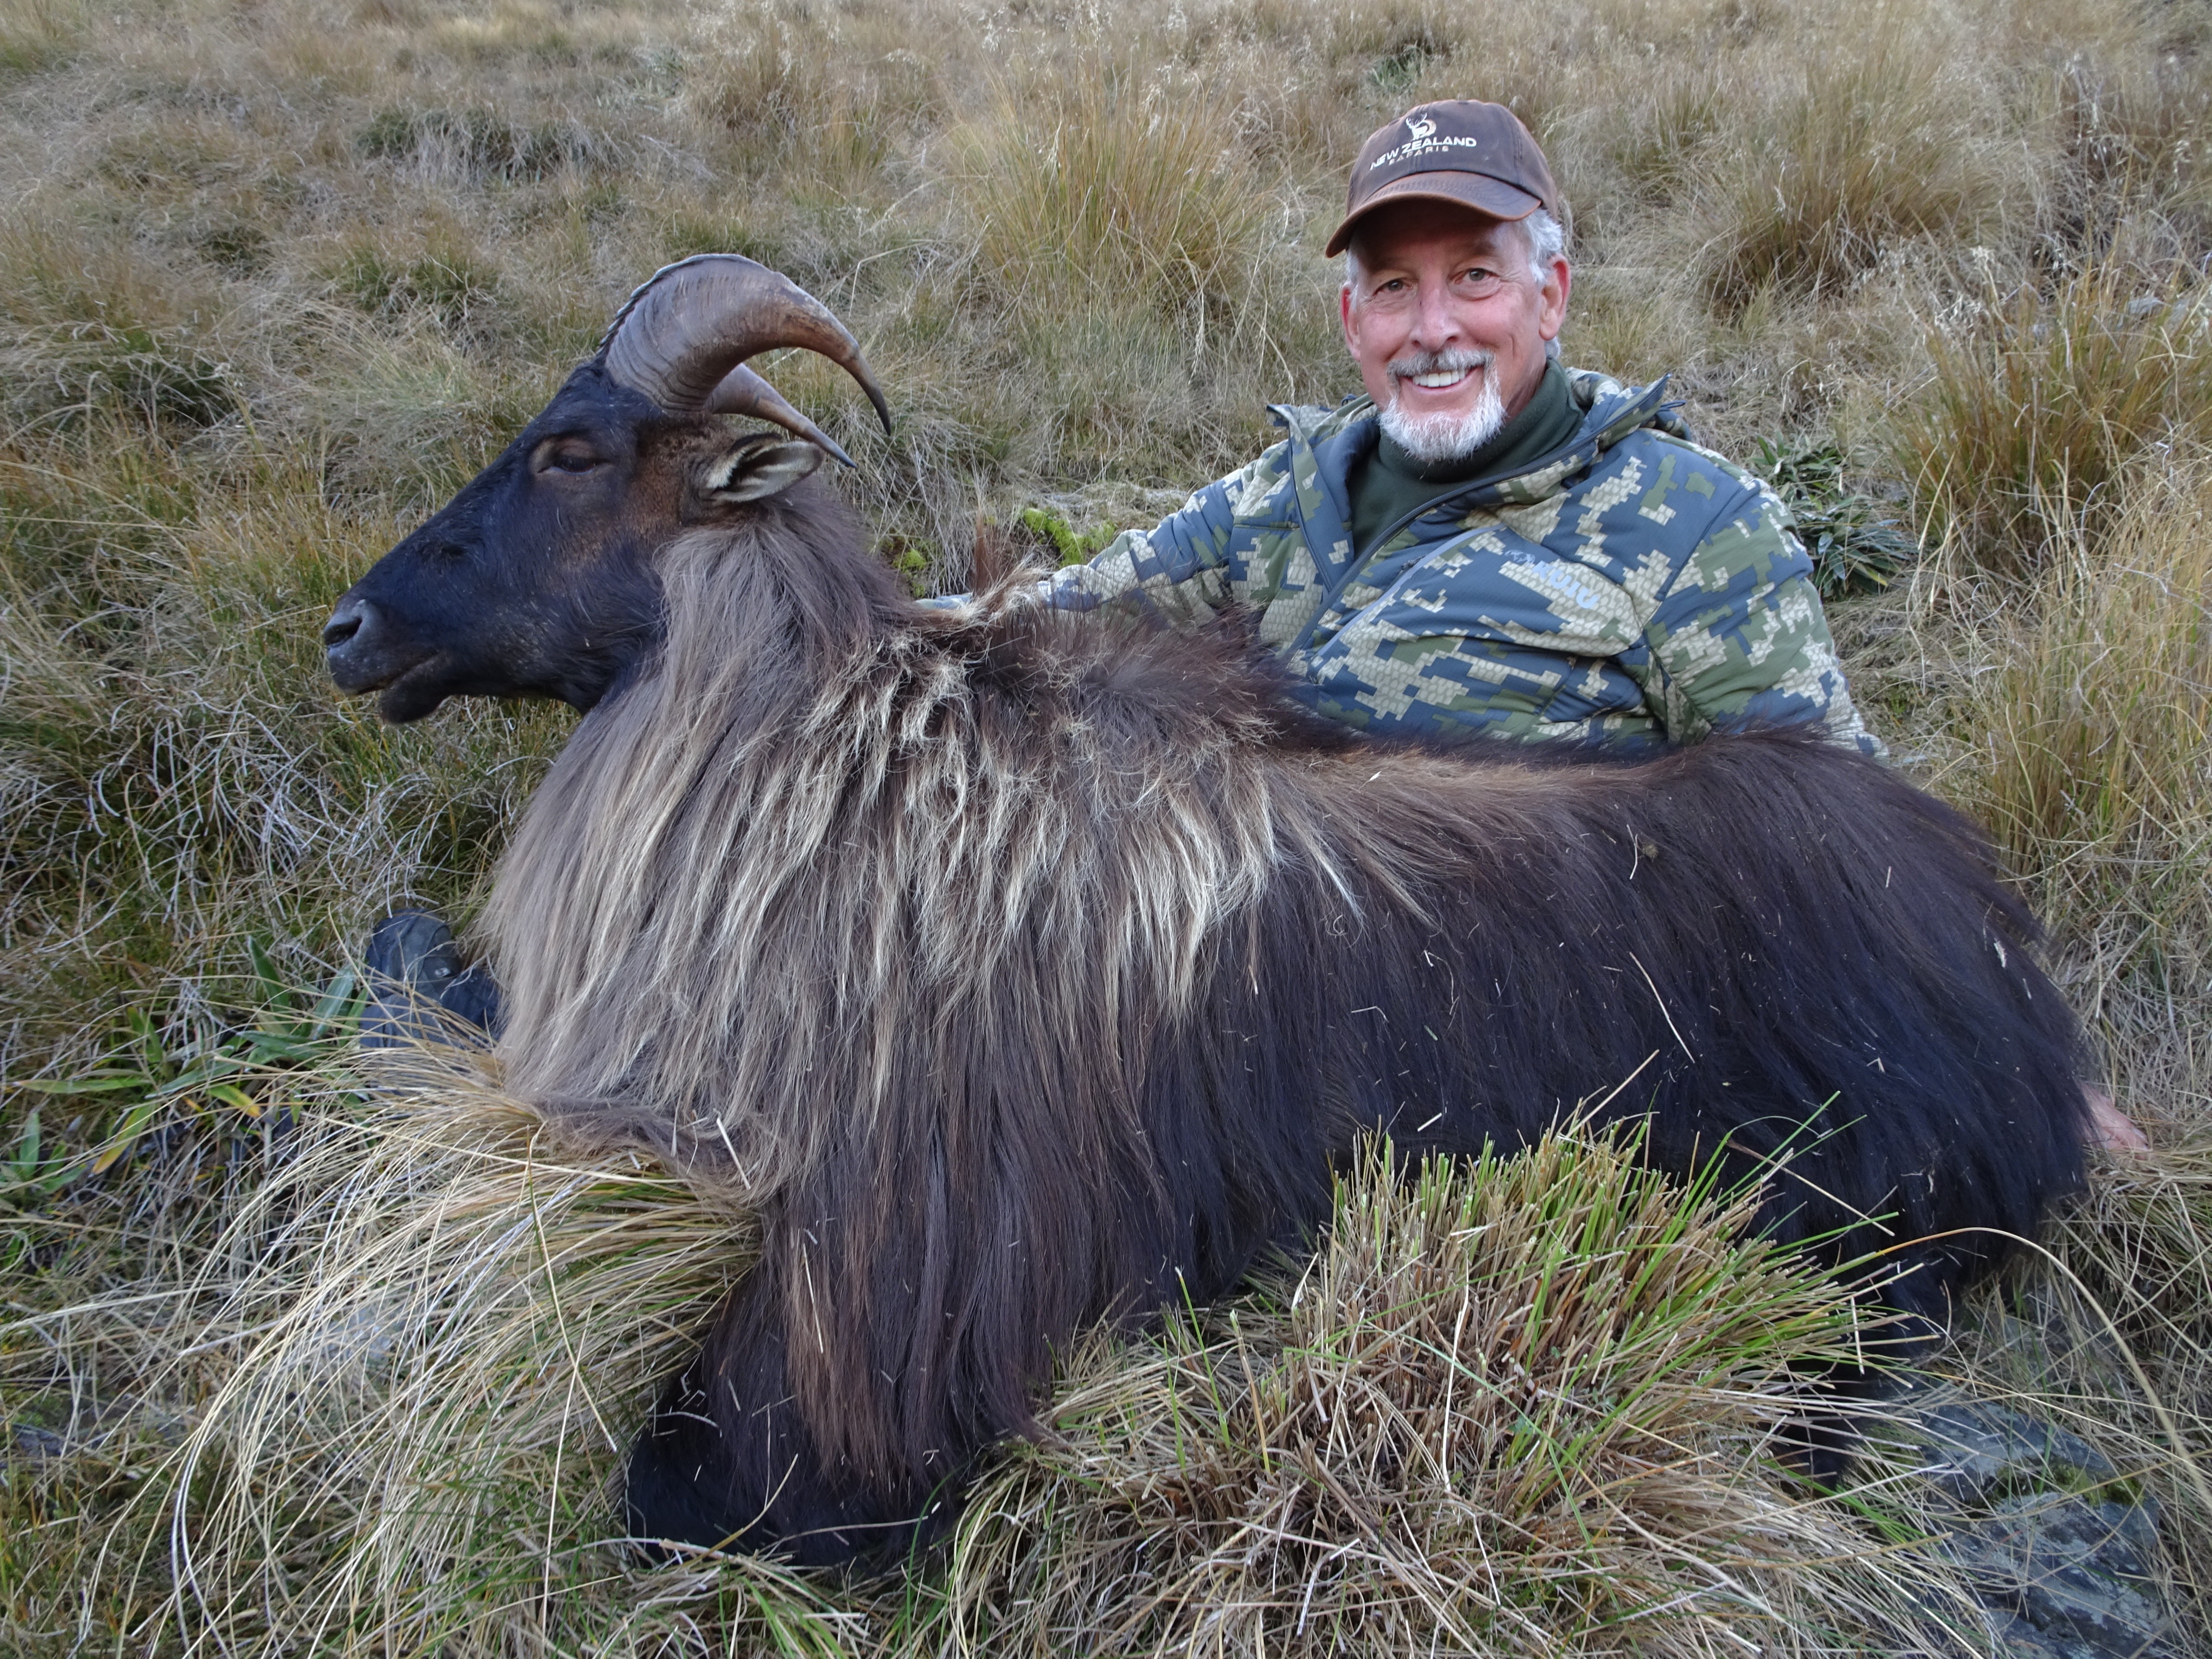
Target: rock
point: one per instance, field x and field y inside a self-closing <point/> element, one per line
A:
<point x="1978" y="1452"/>
<point x="2077" y="1576"/>
<point x="37" y="1442"/>
<point x="2057" y="1545"/>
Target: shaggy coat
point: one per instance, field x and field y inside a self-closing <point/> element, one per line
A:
<point x="1026" y="970"/>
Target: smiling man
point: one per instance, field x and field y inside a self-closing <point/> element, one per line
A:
<point x="1487" y="541"/>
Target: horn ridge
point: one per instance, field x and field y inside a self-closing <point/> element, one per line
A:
<point x="681" y="330"/>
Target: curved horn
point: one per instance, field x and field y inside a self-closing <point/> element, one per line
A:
<point x="689" y="324"/>
<point x="744" y="392"/>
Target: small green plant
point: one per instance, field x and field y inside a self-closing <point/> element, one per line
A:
<point x="910" y="558"/>
<point x="1855" y="548"/>
<point x="1396" y="73"/>
<point x="216" y="1077"/>
<point x="1073" y="546"/>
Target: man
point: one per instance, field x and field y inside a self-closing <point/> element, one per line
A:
<point x="1488" y="543"/>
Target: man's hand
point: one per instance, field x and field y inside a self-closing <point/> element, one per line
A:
<point x="2110" y="1127"/>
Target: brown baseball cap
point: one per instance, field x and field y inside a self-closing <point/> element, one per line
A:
<point x="1477" y="155"/>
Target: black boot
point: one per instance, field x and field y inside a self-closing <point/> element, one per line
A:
<point x="412" y="960"/>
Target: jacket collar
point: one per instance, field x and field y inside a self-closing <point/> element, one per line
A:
<point x="1339" y="437"/>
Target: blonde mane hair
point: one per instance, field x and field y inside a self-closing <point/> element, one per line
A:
<point x="730" y="903"/>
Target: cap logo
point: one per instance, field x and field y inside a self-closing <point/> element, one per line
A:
<point x="1424" y="142"/>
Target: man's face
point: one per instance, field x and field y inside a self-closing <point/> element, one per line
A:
<point x="1444" y="314"/>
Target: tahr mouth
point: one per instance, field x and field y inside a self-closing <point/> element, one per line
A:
<point x="403" y="694"/>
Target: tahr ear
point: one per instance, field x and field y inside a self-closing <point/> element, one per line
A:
<point x="766" y="464"/>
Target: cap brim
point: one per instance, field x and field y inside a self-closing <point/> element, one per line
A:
<point x="1477" y="190"/>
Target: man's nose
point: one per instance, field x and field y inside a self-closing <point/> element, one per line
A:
<point x="1435" y="325"/>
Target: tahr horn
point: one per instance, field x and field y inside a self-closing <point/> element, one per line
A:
<point x="681" y="339"/>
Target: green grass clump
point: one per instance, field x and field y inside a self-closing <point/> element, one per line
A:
<point x="479" y="143"/>
<point x="448" y="284"/>
<point x="35" y="34"/>
<point x="1855" y="547"/>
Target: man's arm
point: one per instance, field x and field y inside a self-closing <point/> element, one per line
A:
<point x="1739" y="635"/>
<point x="1182" y="565"/>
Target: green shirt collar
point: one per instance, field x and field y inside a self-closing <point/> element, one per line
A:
<point x="1547" y="420"/>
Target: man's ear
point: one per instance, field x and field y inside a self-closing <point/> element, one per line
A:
<point x="753" y="468"/>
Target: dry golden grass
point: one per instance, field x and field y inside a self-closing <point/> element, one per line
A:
<point x="2038" y="406"/>
<point x="1848" y="158"/>
<point x="437" y="1335"/>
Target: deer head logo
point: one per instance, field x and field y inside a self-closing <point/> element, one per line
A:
<point x="1419" y="128"/>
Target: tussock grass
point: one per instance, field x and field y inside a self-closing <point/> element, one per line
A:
<point x="1090" y="182"/>
<point x="2088" y="697"/>
<point x="37" y="33"/>
<point x="444" y="1333"/>
<point x="1857" y="155"/>
<point x="1531" y="1404"/>
<point x="2100" y="718"/>
<point x="2035" y="408"/>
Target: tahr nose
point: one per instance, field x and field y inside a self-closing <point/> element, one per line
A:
<point x="353" y="618"/>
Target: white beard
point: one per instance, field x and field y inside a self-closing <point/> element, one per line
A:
<point x="1430" y="439"/>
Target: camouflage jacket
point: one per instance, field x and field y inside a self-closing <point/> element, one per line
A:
<point x="1630" y="586"/>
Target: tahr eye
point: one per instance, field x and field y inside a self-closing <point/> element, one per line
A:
<point x="559" y="455"/>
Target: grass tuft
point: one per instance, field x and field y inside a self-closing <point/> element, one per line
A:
<point x="1528" y="1404"/>
<point x="2037" y="405"/>
<point x="2096" y="773"/>
<point x="1848" y="158"/>
<point x="440" y="1334"/>
<point x="1093" y="186"/>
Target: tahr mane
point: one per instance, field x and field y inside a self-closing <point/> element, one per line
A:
<point x="820" y="812"/>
